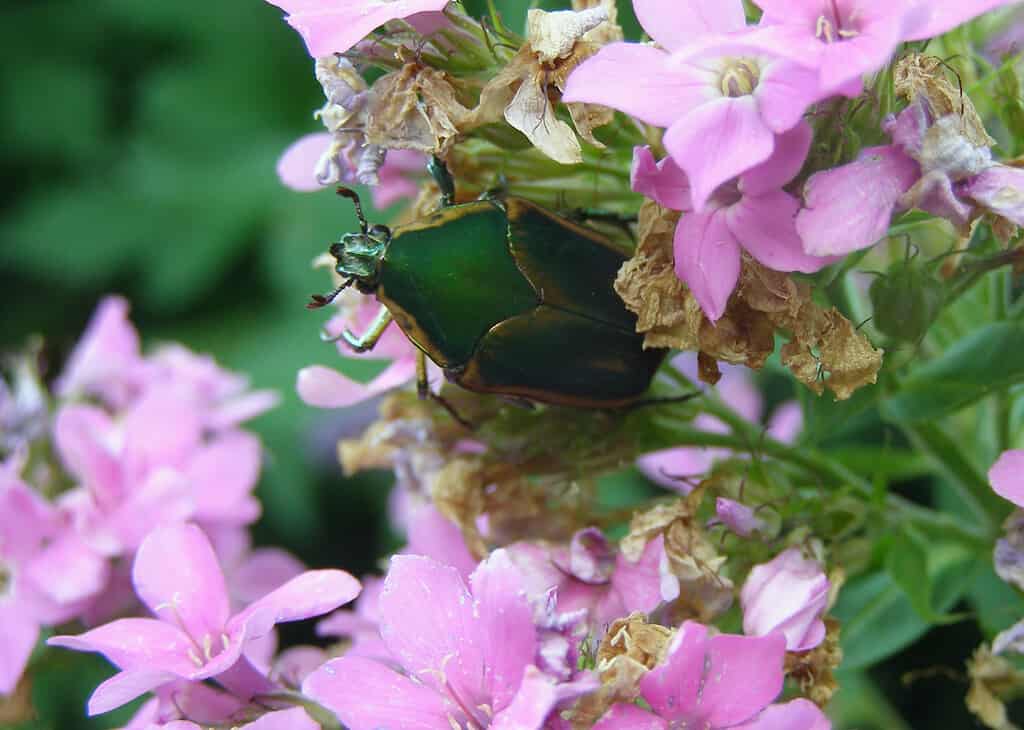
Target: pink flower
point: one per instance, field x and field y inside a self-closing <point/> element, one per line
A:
<point x="789" y="595"/>
<point x="43" y="576"/>
<point x="194" y="637"/>
<point x="1000" y="190"/>
<point x="722" y="109"/>
<point x="1007" y="476"/>
<point x="467" y="652"/>
<point x="714" y="682"/>
<point x="861" y="194"/>
<point x="361" y="624"/>
<point x="751" y="213"/>
<point x="334" y="26"/>
<point x="590" y="575"/>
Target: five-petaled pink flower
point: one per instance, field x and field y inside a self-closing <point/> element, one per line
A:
<point x="723" y="110"/>
<point x="194" y="636"/>
<point x="467" y="655"/>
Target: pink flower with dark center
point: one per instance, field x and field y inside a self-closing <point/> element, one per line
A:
<point x="713" y="683"/>
<point x="194" y="636"/>
<point x="723" y="109"/>
<point x="789" y="594"/>
<point x="467" y="655"/>
<point x="334" y="26"/>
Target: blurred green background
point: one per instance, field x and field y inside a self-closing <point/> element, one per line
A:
<point x="139" y="148"/>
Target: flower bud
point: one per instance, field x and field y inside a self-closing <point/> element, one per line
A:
<point x="906" y="301"/>
<point x="788" y="594"/>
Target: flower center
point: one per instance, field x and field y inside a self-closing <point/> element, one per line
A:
<point x="740" y="77"/>
<point x="832" y="26"/>
<point x="206" y="650"/>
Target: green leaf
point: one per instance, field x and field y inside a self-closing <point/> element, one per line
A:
<point x="984" y="361"/>
<point x="878" y="616"/>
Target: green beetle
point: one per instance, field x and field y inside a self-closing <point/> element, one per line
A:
<point x="505" y="296"/>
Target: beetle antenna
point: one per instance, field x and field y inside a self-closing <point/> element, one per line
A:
<point x="354" y="197"/>
<point x="322" y="300"/>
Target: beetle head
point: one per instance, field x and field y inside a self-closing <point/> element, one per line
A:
<point x="358" y="254"/>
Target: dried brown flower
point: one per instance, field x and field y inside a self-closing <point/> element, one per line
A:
<point x="813" y="670"/>
<point x="824" y="348"/>
<point x="993" y="680"/>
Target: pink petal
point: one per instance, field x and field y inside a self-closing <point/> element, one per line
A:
<point x="235" y="411"/>
<point x="161" y="429"/>
<point x="106" y="355"/>
<point x="293" y="719"/>
<point x="849" y="208"/>
<point x="164" y="498"/>
<point x="738" y="517"/>
<point x="176" y="574"/>
<point x="136" y="644"/>
<point x="395" y="181"/>
<point x="222" y="475"/>
<point x="313" y="593"/>
<point x="296" y="167"/>
<point x="944" y="16"/>
<point x="326" y="388"/>
<point x="784" y="93"/>
<point x="28" y="519"/>
<point x="744" y="675"/>
<point x="707" y="260"/>
<point x="637" y="79"/>
<point x="717" y="141"/>
<point x="366" y="695"/>
<point x="787" y="158"/>
<point x="645" y="584"/>
<point x="1000" y="189"/>
<point x="537" y="697"/>
<point x="429" y="623"/>
<point x="798" y="714"/>
<point x="663" y="182"/>
<point x="765" y="225"/>
<point x="261" y="572"/>
<point x="84" y="436"/>
<point x="786" y="422"/>
<point x="18" y="638"/>
<point x="434" y="535"/>
<point x="334" y="27"/>
<point x="1007" y="476"/>
<point x="673" y="688"/>
<point x="68" y="571"/>
<point x="629" y="717"/>
<point x="124" y="687"/>
<point x="665" y="466"/>
<point x="673" y="25"/>
<point x="504" y="628"/>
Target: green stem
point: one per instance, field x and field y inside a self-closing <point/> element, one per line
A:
<point x="970" y="486"/>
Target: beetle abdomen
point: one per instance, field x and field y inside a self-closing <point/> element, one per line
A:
<point x="554" y="356"/>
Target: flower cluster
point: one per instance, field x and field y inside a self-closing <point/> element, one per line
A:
<point x="530" y="595"/>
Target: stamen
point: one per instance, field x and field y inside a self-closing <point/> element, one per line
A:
<point x="740" y="78"/>
<point x="194" y="656"/>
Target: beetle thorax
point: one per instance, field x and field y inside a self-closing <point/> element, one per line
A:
<point x="359" y="255"/>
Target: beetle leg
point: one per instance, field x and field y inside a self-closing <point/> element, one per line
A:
<point x="439" y="171"/>
<point x="423" y="391"/>
<point x="366" y="341"/>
